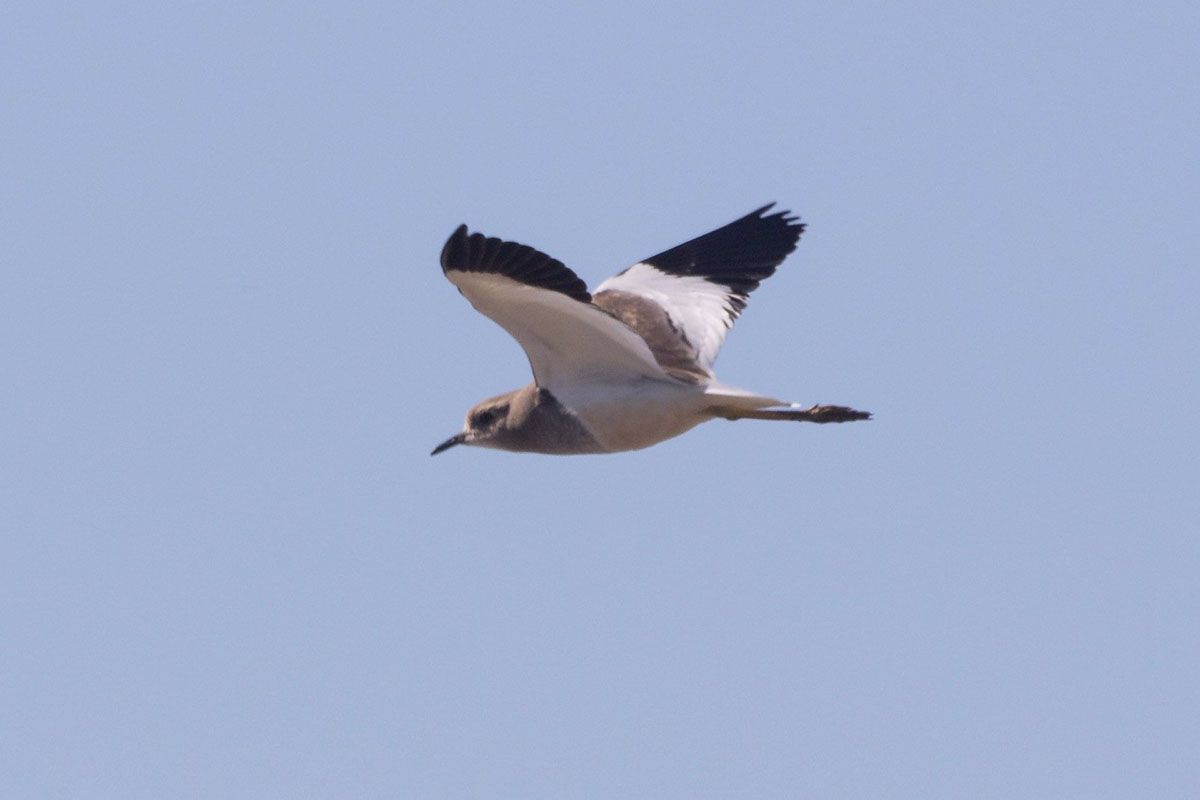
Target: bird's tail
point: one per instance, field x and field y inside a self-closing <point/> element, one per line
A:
<point x="796" y="413"/>
<point x="731" y="403"/>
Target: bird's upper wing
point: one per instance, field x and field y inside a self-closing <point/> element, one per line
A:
<point x="547" y="309"/>
<point x="701" y="287"/>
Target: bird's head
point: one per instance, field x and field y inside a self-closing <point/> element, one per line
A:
<point x="484" y="424"/>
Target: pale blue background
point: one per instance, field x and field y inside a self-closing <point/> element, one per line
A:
<point x="231" y="570"/>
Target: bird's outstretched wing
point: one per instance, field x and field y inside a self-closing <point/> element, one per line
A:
<point x="570" y="342"/>
<point x="699" y="287"/>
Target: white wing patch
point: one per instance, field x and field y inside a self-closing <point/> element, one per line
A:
<point x="703" y="311"/>
<point x="569" y="343"/>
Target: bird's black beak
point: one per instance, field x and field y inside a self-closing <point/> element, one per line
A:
<point x="457" y="438"/>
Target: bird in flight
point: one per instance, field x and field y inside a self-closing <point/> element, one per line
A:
<point x="630" y="364"/>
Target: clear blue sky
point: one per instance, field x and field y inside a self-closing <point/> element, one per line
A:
<point x="229" y="567"/>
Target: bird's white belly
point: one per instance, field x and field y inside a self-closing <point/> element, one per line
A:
<point x="635" y="415"/>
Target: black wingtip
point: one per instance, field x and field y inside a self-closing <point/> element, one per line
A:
<point x="474" y="252"/>
<point x="785" y="215"/>
<point x="454" y="251"/>
<point x="738" y="255"/>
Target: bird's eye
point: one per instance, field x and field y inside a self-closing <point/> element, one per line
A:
<point x="483" y="419"/>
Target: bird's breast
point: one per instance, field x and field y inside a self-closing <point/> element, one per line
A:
<point x="636" y="415"/>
